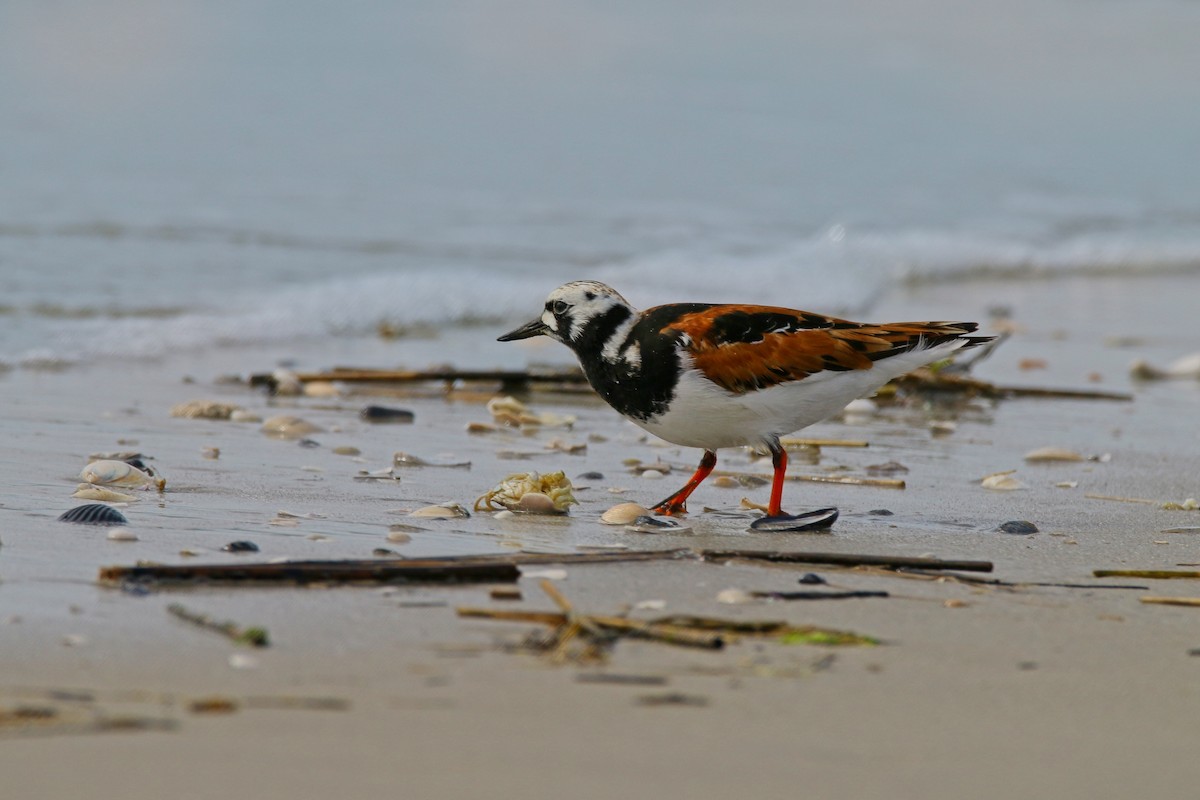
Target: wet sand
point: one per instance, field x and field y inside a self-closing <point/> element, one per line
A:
<point x="996" y="692"/>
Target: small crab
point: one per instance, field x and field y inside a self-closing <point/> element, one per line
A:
<point x="530" y="492"/>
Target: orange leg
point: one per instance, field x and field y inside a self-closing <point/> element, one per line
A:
<point x="779" y="460"/>
<point x="675" y="503"/>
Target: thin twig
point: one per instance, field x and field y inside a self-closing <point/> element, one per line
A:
<point x="255" y="637"/>
<point x="1171" y="601"/>
<point x="845" y="559"/>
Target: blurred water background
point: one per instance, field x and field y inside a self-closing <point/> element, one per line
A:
<point x="178" y="177"/>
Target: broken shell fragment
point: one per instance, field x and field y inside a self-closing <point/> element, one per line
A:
<point x="1002" y="482"/>
<point x="402" y="459"/>
<point x="287" y="427"/>
<point x="86" y="491"/>
<point x="1045" y="454"/>
<point x="204" y="409"/>
<point x="555" y="486"/>
<point x="649" y="524"/>
<point x="624" y="514"/>
<point x="512" y="412"/>
<point x="241" y="415"/>
<point x="122" y="535"/>
<point x="114" y="473"/>
<point x="94" y="514"/>
<point x="441" y="511"/>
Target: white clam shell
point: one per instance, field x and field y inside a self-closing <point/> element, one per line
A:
<point x="1001" y="482"/>
<point x="623" y="513"/>
<point x="288" y="427"/>
<point x="114" y="473"/>
<point x="1044" y="454"/>
<point x="442" y="511"/>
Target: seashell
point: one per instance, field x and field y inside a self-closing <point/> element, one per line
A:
<point x="114" y="473"/>
<point x="563" y="446"/>
<point x="241" y="547"/>
<point x="649" y="524"/>
<point x="212" y="453"/>
<point x="241" y="415"/>
<point x="939" y="427"/>
<point x="385" y="414"/>
<point x="1002" y="482"/>
<point x="624" y="514"/>
<point x="122" y="535"/>
<point x="819" y="519"/>
<point x="346" y="451"/>
<point x="119" y="455"/>
<point x="535" y="503"/>
<point x="286" y="382"/>
<point x="652" y="474"/>
<point x="508" y="493"/>
<point x="725" y="482"/>
<point x="321" y="389"/>
<point x="481" y="427"/>
<point x="513" y="413"/>
<point x="735" y="596"/>
<point x="86" y="491"/>
<point x="204" y="409"/>
<point x="399" y="537"/>
<point x="401" y="459"/>
<point x="94" y="514"/>
<point x="441" y="511"/>
<point x="1066" y="485"/>
<point x="287" y="427"/>
<point x="545" y="574"/>
<point x="1043" y="454"/>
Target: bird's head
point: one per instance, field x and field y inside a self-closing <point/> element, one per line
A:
<point x="570" y="310"/>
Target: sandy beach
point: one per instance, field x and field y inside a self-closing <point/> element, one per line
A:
<point x="991" y="691"/>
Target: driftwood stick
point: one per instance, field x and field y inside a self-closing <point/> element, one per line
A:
<point x="975" y="580"/>
<point x="801" y="442"/>
<point x="304" y="572"/>
<point x="1156" y="574"/>
<point x="1171" y="601"/>
<point x="845" y="559"/>
<point x="349" y="375"/>
<point x="1142" y="500"/>
<point x="846" y="480"/>
<point x="926" y="380"/>
<point x="499" y="567"/>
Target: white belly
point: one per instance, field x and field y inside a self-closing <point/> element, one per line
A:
<point x="702" y="414"/>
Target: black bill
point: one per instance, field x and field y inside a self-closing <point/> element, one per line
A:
<point x="526" y="331"/>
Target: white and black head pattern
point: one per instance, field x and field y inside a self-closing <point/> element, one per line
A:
<point x="576" y="309"/>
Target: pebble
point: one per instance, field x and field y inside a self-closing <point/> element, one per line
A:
<point x="1044" y="454"/>
<point x="386" y="414"/>
<point x="652" y="474"/>
<point x="1017" y="526"/>
<point x="725" y="482"/>
<point x="812" y="578"/>
<point x="321" y="389"/>
<point x="399" y="537"/>
<point x="204" y="409"/>
<point x="590" y="476"/>
<point x="442" y="511"/>
<point x="881" y="512"/>
<point x="241" y="546"/>
<point x="241" y="415"/>
<point x="346" y="451"/>
<point x="122" y="535"/>
<point x="211" y="453"/>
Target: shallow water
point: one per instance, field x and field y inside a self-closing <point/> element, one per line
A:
<point x="182" y="178"/>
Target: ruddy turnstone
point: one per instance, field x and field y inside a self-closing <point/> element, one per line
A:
<point x="713" y="376"/>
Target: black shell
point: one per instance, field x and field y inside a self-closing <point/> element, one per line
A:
<point x="94" y="514"/>
<point x="385" y="414"/>
<point x="819" y="520"/>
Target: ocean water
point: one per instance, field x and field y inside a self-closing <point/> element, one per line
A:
<point x="180" y="177"/>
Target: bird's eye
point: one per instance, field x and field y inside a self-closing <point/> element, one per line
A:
<point x="559" y="307"/>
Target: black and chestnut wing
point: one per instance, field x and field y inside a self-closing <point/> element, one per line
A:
<point x="742" y="348"/>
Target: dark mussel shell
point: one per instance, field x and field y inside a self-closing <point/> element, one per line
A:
<point x="817" y="520"/>
<point x="94" y="514"/>
<point x="385" y="414"/>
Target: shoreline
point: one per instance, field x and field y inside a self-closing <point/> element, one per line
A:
<point x="1084" y="691"/>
